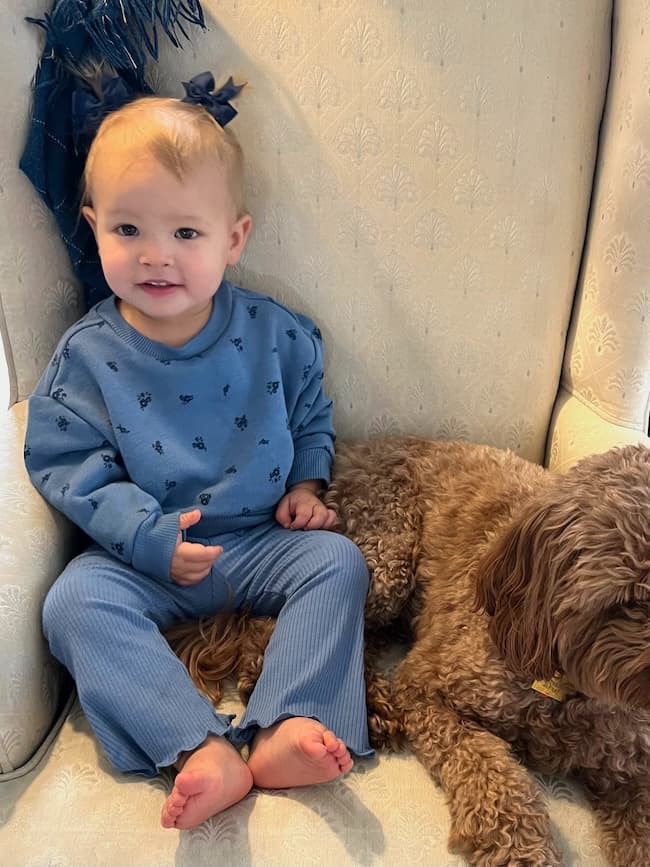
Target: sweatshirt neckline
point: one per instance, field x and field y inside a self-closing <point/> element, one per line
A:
<point x="207" y="336"/>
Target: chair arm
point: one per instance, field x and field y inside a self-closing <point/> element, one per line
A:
<point x="35" y="544"/>
<point x="577" y="430"/>
<point x="605" y="388"/>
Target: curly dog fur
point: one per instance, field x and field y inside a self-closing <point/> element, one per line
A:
<point x="503" y="573"/>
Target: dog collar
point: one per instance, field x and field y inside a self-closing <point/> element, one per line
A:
<point x="554" y="687"/>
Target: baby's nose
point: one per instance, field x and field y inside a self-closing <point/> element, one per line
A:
<point x="156" y="255"/>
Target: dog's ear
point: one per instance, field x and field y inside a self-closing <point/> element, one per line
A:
<point x="515" y="585"/>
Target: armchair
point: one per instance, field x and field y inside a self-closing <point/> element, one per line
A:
<point x="458" y="194"/>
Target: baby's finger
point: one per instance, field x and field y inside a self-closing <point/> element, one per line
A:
<point x="188" y="519"/>
<point x="190" y="572"/>
<point x="303" y="515"/>
<point x="283" y="514"/>
<point x="194" y="552"/>
<point x="190" y="580"/>
<point x="322" y="519"/>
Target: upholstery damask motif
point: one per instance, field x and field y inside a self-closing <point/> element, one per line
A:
<point x="386" y="813"/>
<point x="605" y="369"/>
<point x="30" y="682"/>
<point x="38" y="294"/>
<point x="397" y="179"/>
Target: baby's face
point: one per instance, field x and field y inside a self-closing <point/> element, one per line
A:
<point x="164" y="243"/>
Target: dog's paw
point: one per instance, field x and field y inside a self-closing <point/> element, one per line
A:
<point x="512" y="843"/>
<point x="544" y="855"/>
<point x="385" y="720"/>
<point x="385" y="734"/>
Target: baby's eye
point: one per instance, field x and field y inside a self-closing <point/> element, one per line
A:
<point x="186" y="234"/>
<point x="127" y="230"/>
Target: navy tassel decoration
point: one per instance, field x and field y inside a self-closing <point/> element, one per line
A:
<point x="87" y="43"/>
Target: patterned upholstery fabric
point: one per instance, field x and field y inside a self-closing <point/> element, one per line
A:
<point x="421" y="177"/>
<point x="39" y="298"/>
<point x="75" y="812"/>
<point x="606" y="377"/>
<point x="406" y="162"/>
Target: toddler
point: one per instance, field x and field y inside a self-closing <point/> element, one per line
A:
<point x="182" y="424"/>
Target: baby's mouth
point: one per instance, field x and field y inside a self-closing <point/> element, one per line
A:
<point x="157" y="285"/>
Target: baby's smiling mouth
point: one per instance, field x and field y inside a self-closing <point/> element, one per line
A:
<point x="157" y="285"/>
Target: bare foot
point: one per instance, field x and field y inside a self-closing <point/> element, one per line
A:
<point x="297" y="752"/>
<point x="210" y="779"/>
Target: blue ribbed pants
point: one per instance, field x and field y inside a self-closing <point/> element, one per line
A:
<point x="103" y="621"/>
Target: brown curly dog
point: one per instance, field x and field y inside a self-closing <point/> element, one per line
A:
<point x="505" y="574"/>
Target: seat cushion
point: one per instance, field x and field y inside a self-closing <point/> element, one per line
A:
<point x="74" y="811"/>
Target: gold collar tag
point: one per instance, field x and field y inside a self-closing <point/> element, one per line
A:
<point x="554" y="688"/>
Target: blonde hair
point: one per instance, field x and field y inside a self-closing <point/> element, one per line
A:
<point x="179" y="135"/>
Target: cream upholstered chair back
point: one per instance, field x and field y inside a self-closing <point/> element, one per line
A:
<point x="422" y="196"/>
<point x="426" y="207"/>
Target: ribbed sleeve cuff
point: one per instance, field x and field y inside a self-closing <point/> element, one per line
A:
<point x="310" y="464"/>
<point x="154" y="547"/>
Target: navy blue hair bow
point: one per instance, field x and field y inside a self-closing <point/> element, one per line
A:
<point x="200" y="89"/>
<point x="93" y="100"/>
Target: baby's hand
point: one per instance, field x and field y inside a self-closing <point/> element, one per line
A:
<point x="301" y="509"/>
<point x="191" y="561"/>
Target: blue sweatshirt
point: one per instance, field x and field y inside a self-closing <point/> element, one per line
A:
<point x="124" y="434"/>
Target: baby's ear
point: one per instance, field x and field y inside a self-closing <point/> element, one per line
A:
<point x="89" y="214"/>
<point x="239" y="235"/>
